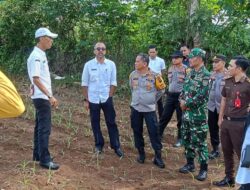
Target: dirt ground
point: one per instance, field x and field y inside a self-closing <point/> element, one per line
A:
<point x="72" y="144"/>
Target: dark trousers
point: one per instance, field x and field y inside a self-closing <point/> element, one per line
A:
<point x="137" y="126"/>
<point x="172" y="104"/>
<point x="109" y="114"/>
<point x="42" y="130"/>
<point x="231" y="140"/>
<point x="160" y="107"/>
<point x="213" y="118"/>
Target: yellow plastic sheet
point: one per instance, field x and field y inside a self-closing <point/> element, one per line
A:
<point x="11" y="104"/>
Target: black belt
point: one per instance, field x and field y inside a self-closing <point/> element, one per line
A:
<point x="234" y="118"/>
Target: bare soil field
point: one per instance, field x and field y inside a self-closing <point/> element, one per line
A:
<point x="72" y="145"/>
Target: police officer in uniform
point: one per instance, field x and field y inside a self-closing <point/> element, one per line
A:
<point x="176" y="77"/>
<point x="217" y="82"/>
<point x="233" y="113"/>
<point x="142" y="82"/>
<point x="193" y="102"/>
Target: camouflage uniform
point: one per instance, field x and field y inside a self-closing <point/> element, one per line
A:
<point x="194" y="128"/>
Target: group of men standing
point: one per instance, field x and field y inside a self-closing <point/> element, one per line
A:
<point x="192" y="92"/>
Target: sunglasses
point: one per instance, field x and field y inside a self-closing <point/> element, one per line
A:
<point x="99" y="49"/>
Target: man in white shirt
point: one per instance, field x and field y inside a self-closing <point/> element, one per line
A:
<point x="42" y="97"/>
<point x="157" y="65"/>
<point x="99" y="84"/>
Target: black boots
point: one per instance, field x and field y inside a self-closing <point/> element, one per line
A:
<point x="142" y="156"/>
<point x="189" y="167"/>
<point x="203" y="172"/>
<point x="158" y="160"/>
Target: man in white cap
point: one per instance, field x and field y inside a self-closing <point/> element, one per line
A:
<point x="42" y="97"/>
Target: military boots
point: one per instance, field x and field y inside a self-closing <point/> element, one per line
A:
<point x="189" y="167"/>
<point x="203" y="172"/>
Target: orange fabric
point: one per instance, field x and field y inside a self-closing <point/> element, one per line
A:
<point x="11" y="104"/>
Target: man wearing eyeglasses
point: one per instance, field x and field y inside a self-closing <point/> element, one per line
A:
<point x="42" y="97"/>
<point x="217" y="82"/>
<point x="99" y="84"/>
<point x="176" y="78"/>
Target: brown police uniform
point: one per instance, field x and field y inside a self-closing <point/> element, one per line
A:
<point x="237" y="96"/>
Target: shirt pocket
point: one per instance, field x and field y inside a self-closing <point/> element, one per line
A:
<point x="148" y="85"/>
<point x="93" y="77"/>
<point x="181" y="78"/>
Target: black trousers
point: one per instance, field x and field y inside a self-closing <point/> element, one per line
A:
<point x="109" y="115"/>
<point x="42" y="130"/>
<point x="213" y="118"/>
<point x="137" y="126"/>
<point x="160" y="107"/>
<point x="172" y="104"/>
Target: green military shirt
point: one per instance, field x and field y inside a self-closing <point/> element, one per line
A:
<point x="195" y="93"/>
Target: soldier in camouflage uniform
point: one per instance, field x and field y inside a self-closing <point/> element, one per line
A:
<point x="193" y="102"/>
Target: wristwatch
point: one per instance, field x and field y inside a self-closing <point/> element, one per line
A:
<point x="49" y="96"/>
<point x="85" y="100"/>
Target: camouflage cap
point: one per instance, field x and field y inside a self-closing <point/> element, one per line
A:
<point x="197" y="52"/>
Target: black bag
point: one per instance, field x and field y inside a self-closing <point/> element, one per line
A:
<point x="246" y="157"/>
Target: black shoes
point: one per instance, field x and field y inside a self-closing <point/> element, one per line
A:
<point x="214" y="154"/>
<point x="187" y="168"/>
<point x="142" y="156"/>
<point x="119" y="152"/>
<point x="50" y="165"/>
<point x="158" y="160"/>
<point x="226" y="182"/>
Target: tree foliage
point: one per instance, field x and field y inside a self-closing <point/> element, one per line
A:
<point x="127" y="27"/>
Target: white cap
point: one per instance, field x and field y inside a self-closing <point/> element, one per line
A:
<point x="45" y="32"/>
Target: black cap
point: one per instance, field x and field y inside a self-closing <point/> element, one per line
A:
<point x="177" y="53"/>
<point x="220" y="57"/>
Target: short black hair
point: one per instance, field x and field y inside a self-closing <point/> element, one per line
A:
<point x="144" y="57"/>
<point x="185" y="45"/>
<point x="241" y="62"/>
<point x="152" y="47"/>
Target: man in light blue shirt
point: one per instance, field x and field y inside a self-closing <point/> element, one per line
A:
<point x="99" y="84"/>
<point x="157" y="65"/>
